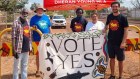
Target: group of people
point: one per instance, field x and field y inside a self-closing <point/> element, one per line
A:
<point x="22" y="37"/>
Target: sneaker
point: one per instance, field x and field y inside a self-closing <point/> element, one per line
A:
<point x="111" y="77"/>
<point x="37" y="74"/>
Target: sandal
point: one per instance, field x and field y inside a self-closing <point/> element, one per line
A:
<point x="111" y="77"/>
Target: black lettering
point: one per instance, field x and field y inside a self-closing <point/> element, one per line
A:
<point x="73" y="45"/>
<point x="55" y="46"/>
<point x="84" y="49"/>
<point x="63" y="60"/>
<point x="72" y="58"/>
<point x="94" y="43"/>
<point x="89" y="59"/>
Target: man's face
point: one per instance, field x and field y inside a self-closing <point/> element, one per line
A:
<point x="79" y="13"/>
<point x="25" y="15"/>
<point x="115" y="8"/>
<point x="39" y="11"/>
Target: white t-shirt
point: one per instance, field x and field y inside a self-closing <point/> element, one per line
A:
<point x="97" y="26"/>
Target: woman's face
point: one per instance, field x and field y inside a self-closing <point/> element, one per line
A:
<point x="94" y="17"/>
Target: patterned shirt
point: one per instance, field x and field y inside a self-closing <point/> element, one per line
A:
<point x="17" y="36"/>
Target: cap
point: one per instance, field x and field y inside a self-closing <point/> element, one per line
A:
<point x="24" y="10"/>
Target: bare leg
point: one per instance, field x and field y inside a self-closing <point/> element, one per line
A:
<point x="37" y="62"/>
<point x="37" y="65"/>
<point x="112" y="65"/>
<point x="120" y="63"/>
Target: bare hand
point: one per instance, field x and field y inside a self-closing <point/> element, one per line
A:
<point x="122" y="45"/>
<point x="35" y="27"/>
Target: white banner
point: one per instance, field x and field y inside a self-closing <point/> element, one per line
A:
<point x="79" y="55"/>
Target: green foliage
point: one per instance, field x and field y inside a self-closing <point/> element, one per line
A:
<point x="12" y="6"/>
<point x="49" y="13"/>
<point x="7" y="5"/>
<point x="88" y="12"/>
<point x="33" y="6"/>
<point x="121" y="1"/>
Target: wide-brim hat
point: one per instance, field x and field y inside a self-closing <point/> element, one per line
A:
<point x="39" y="7"/>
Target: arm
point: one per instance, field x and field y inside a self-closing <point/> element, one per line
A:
<point x="105" y="29"/>
<point x="85" y="24"/>
<point x="125" y="24"/>
<point x="124" y="37"/>
<point x="14" y="37"/>
<point x="72" y="25"/>
<point x="30" y="41"/>
<point x="106" y="26"/>
<point x="14" y="32"/>
<point x="31" y="22"/>
<point x="50" y="24"/>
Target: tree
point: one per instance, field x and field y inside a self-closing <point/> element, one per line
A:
<point x="12" y="6"/>
<point x="136" y="4"/>
<point x="7" y="5"/>
<point x="120" y="1"/>
<point x="21" y="4"/>
<point x="33" y="6"/>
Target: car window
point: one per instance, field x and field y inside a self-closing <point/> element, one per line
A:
<point x="58" y="17"/>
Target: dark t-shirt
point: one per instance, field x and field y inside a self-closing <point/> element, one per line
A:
<point x="26" y="36"/>
<point x="78" y="23"/>
<point x="116" y="28"/>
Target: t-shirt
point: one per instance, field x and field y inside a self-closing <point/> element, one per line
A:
<point x="95" y="26"/>
<point x="116" y="28"/>
<point x="78" y="24"/>
<point x="26" y="36"/>
<point x="43" y="24"/>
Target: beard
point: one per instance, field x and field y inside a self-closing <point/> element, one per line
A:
<point x="24" y="16"/>
<point x="115" y="11"/>
<point x="39" y="14"/>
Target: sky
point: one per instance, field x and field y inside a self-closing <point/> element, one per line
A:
<point x="127" y="3"/>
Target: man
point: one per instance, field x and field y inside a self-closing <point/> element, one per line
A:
<point x="79" y="23"/>
<point x="95" y="24"/>
<point x="117" y="24"/>
<point x="21" y="43"/>
<point x="42" y="22"/>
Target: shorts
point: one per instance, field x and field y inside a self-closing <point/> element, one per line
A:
<point x="115" y="51"/>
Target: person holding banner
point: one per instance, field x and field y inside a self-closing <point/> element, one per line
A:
<point x="42" y="22"/>
<point x="21" y="43"/>
<point x="79" y="23"/>
<point x="117" y="25"/>
<point x="95" y="24"/>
